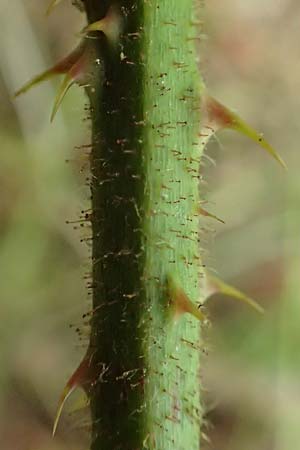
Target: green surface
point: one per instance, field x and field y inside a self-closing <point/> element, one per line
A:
<point x="145" y="189"/>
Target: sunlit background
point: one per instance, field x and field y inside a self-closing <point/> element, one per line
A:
<point x="251" y="374"/>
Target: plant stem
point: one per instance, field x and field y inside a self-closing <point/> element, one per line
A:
<point x="145" y="227"/>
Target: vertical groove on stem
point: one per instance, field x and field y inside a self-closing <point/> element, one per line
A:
<point x="145" y="109"/>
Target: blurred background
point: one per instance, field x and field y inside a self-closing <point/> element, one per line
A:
<point x="251" y="63"/>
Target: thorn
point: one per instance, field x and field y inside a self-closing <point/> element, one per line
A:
<point x="110" y="25"/>
<point x="180" y="302"/>
<point x="63" y="89"/>
<point x="36" y="80"/>
<point x="205" y="213"/>
<point x="215" y="285"/>
<point x="78" y="67"/>
<point x="219" y="117"/>
<point x="62" y="67"/>
<point x="64" y="396"/>
<point x="79" y="378"/>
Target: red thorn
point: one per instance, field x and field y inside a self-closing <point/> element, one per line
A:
<point x="181" y="303"/>
<point x="217" y="113"/>
<point x="80" y="378"/>
<point x="66" y="64"/>
<point x="78" y="67"/>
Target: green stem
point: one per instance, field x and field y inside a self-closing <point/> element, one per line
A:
<point x="145" y="193"/>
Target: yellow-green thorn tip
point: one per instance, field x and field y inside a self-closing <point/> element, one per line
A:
<point x="215" y="285"/>
<point x="219" y="117"/>
<point x="51" y="6"/>
<point x="244" y="128"/>
<point x="67" y="82"/>
<point x="64" y="396"/>
<point x="36" y="80"/>
<point x="180" y="303"/>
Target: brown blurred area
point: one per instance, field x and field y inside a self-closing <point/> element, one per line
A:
<point x="251" y="63"/>
<point x="251" y="374"/>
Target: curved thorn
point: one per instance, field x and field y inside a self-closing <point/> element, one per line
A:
<point x="215" y="285"/>
<point x="64" y="396"/>
<point x="67" y="82"/>
<point x="61" y="67"/>
<point x="219" y="117"/>
<point x="79" y="378"/>
<point x="242" y="127"/>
